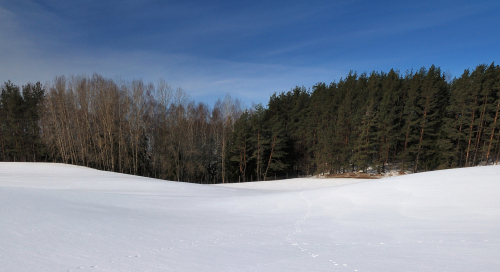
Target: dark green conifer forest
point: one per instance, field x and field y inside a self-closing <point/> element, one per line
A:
<point x="373" y="123"/>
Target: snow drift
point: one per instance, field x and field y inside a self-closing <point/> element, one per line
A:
<point x="66" y="218"/>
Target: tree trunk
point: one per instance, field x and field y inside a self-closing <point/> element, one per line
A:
<point x="470" y="133"/>
<point x="270" y="156"/>
<point x="415" y="167"/>
<point x="492" y="133"/>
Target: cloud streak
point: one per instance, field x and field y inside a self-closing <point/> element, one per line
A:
<point x="203" y="79"/>
<point x="248" y="49"/>
<point x="423" y="20"/>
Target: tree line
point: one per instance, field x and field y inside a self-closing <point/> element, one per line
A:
<point x="127" y="127"/>
<point x="378" y="122"/>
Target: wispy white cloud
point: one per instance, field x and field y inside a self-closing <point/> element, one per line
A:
<point x="203" y="79"/>
<point x="249" y="51"/>
<point x="37" y="58"/>
<point x="410" y="20"/>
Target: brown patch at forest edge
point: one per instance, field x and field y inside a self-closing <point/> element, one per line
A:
<point x="356" y="176"/>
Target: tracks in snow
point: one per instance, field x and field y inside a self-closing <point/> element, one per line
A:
<point x="297" y="227"/>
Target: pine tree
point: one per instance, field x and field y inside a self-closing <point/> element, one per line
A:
<point x="277" y="117"/>
<point x="318" y="118"/>
<point x="473" y="111"/>
<point x="409" y="131"/>
<point x="241" y="144"/>
<point x="33" y="96"/>
<point x="455" y="122"/>
<point x="300" y="157"/>
<point x="493" y="84"/>
<point x="365" y="107"/>
<point x="390" y="114"/>
<point x="431" y="104"/>
<point x="258" y="140"/>
<point x="12" y="109"/>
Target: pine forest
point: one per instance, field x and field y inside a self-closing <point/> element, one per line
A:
<point x="365" y="123"/>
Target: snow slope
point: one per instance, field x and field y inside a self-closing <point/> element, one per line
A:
<point x="66" y="218"/>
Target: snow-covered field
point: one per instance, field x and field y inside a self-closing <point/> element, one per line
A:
<point x="57" y="217"/>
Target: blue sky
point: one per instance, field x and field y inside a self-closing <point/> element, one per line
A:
<point x="249" y="49"/>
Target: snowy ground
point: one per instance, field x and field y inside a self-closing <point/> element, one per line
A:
<point x="66" y="218"/>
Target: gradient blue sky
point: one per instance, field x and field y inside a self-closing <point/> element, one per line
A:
<point x="249" y="49"/>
